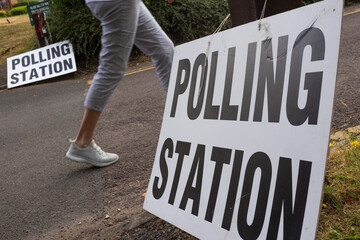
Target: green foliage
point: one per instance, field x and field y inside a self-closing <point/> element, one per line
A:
<point x="72" y="20"/>
<point x="339" y="218"/>
<point x="3" y="14"/>
<point x="335" y="235"/>
<point x="186" y="20"/>
<point x="19" y="4"/>
<point x="24" y="3"/>
<point x="30" y="1"/>
<point x="18" y="11"/>
<point x="183" y="20"/>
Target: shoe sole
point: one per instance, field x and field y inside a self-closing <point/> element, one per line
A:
<point x="89" y="161"/>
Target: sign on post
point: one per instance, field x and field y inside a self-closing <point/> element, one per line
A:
<point x="40" y="64"/>
<point x="5" y="4"/>
<point x="33" y="8"/>
<point x="244" y="139"/>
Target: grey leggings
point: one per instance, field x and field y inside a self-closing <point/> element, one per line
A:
<point x="125" y="23"/>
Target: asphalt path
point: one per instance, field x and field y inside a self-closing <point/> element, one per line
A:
<point x="39" y="187"/>
<point x="346" y="111"/>
<point x="42" y="190"/>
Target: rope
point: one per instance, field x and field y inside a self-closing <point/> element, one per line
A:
<point x="207" y="51"/>
<point x="212" y="36"/>
<point x="262" y="14"/>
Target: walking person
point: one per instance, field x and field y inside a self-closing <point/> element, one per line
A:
<point x="124" y="23"/>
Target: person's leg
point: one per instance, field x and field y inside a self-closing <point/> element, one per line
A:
<point x="154" y="42"/>
<point x="119" y="22"/>
<point x="87" y="128"/>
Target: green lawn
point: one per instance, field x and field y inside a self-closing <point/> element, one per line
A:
<point x="16" y="37"/>
<point x="340" y="213"/>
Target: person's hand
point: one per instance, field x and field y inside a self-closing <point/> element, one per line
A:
<point x="170" y="1"/>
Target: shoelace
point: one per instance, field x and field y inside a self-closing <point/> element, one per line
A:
<point x="96" y="147"/>
<point x="99" y="150"/>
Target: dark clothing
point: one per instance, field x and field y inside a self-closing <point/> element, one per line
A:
<point x="244" y="11"/>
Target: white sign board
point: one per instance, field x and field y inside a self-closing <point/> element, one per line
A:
<point x="244" y="158"/>
<point x="40" y="64"/>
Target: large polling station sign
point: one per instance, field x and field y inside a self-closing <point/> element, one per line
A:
<point x="40" y="64"/>
<point x="244" y="140"/>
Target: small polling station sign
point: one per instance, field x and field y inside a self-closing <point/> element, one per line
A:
<point x="40" y="64"/>
<point x="244" y="139"/>
<point x="44" y="6"/>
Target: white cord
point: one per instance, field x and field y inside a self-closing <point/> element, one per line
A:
<point x="207" y="51"/>
<point x="212" y="36"/>
<point x="262" y="13"/>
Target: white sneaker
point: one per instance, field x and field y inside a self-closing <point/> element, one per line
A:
<point x="92" y="154"/>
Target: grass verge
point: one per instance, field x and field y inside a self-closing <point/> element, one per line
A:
<point x="16" y="38"/>
<point x="340" y="213"/>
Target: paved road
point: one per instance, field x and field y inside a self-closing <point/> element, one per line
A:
<point x="40" y="190"/>
<point x="43" y="194"/>
<point x="347" y="104"/>
<point x="39" y="187"/>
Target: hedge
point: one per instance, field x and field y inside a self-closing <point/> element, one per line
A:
<point x="183" y="21"/>
<point x="2" y="14"/>
<point x="18" y="11"/>
<point x="24" y="3"/>
<point x="72" y="20"/>
<point x="186" y="20"/>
